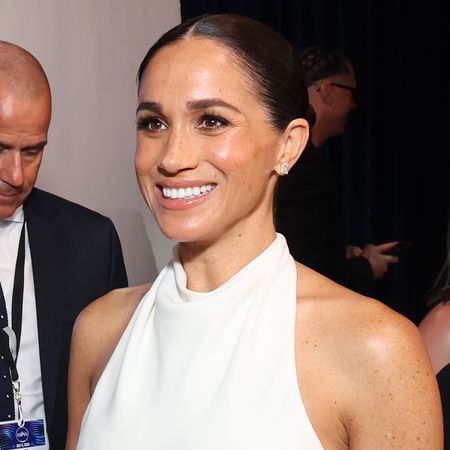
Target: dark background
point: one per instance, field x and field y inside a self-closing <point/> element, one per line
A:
<point x="392" y="163"/>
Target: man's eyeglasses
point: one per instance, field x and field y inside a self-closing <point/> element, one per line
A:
<point x="354" y="90"/>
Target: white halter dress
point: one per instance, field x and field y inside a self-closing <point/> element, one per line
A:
<point x="206" y="370"/>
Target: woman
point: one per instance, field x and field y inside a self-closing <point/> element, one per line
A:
<point x="237" y="346"/>
<point x="435" y="330"/>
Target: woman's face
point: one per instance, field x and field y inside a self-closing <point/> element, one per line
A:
<point x="206" y="154"/>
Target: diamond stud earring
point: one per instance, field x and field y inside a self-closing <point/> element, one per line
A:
<point x="284" y="170"/>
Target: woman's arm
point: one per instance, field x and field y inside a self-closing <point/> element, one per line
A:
<point x="96" y="333"/>
<point x="81" y="368"/>
<point x="364" y="373"/>
<point x="396" y="403"/>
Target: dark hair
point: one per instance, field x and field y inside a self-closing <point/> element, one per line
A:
<point x="272" y="64"/>
<point x="322" y="62"/>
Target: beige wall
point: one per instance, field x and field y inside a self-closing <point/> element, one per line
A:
<point x="91" y="50"/>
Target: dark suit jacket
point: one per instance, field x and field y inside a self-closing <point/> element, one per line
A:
<point x="76" y="257"/>
<point x="308" y="214"/>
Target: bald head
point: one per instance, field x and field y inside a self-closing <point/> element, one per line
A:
<point x="21" y="74"/>
<point x="25" y="110"/>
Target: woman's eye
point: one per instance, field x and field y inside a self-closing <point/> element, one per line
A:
<point x="210" y="122"/>
<point x="151" y="124"/>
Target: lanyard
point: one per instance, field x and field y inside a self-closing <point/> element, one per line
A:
<point x="17" y="298"/>
<point x="16" y="321"/>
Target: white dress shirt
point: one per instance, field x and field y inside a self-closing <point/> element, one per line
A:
<point x="28" y="361"/>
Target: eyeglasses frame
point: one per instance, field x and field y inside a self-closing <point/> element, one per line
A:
<point x="356" y="93"/>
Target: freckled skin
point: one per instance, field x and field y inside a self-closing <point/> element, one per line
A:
<point x="232" y="158"/>
<point x="368" y="384"/>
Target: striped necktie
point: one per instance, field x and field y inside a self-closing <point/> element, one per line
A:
<point x="6" y="388"/>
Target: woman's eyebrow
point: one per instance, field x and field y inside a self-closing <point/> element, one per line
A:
<point x="191" y="105"/>
<point x="149" y="106"/>
<point x="208" y="103"/>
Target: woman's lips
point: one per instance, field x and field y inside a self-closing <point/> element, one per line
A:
<point x="187" y="192"/>
<point x="183" y="197"/>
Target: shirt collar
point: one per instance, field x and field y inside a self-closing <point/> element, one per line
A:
<point x="17" y="217"/>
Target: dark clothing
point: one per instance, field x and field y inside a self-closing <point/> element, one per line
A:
<point x="443" y="378"/>
<point x="76" y="257"/>
<point x="308" y="214"/>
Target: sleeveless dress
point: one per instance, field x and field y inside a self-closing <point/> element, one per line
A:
<point x="443" y="378"/>
<point x="206" y="370"/>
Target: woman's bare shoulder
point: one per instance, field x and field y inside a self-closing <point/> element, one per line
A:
<point x="435" y="331"/>
<point x="438" y="319"/>
<point x="372" y="361"/>
<point x="359" y="336"/>
<point x="96" y="332"/>
<point x="100" y="325"/>
<point x="342" y="308"/>
<point x="112" y="309"/>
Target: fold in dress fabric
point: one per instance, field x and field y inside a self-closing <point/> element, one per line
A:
<point x="206" y="370"/>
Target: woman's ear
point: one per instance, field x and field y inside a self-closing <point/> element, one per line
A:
<point x="293" y="142"/>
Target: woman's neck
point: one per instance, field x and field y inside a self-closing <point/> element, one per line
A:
<point x="210" y="264"/>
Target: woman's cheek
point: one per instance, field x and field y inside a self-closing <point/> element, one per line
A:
<point x="231" y="153"/>
<point x="145" y="159"/>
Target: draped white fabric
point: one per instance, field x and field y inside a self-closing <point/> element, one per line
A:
<point x="206" y="370"/>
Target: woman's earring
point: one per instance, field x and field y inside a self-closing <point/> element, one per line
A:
<point x="284" y="170"/>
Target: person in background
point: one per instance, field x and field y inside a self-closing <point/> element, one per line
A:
<point x="435" y="330"/>
<point x="307" y="208"/>
<point x="55" y="257"/>
<point x="235" y="345"/>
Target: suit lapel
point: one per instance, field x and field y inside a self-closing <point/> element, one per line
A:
<point x="49" y="272"/>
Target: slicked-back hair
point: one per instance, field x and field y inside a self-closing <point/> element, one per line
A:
<point x="270" y="63"/>
<point x="323" y="62"/>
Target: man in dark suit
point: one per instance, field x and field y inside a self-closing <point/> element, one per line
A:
<point x="70" y="254"/>
<point x="307" y="206"/>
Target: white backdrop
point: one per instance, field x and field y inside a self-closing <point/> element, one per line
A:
<point x="91" y="50"/>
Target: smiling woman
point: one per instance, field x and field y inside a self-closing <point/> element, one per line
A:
<point x="213" y="136"/>
<point x="235" y="345"/>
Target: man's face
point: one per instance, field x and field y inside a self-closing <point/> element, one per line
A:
<point x="23" y="135"/>
<point x="343" y="100"/>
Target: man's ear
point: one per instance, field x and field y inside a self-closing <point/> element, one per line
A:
<point x="324" y="92"/>
<point x="293" y="142"/>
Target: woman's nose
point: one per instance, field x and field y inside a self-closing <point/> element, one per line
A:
<point x="179" y="153"/>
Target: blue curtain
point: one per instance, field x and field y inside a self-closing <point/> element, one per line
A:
<point x="392" y="163"/>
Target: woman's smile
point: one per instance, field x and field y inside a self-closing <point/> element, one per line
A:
<point x="206" y="153"/>
<point x="188" y="192"/>
<point x="185" y="197"/>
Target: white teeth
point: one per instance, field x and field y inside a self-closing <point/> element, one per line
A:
<point x="189" y="192"/>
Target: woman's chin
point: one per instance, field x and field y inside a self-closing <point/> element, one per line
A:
<point x="184" y="232"/>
